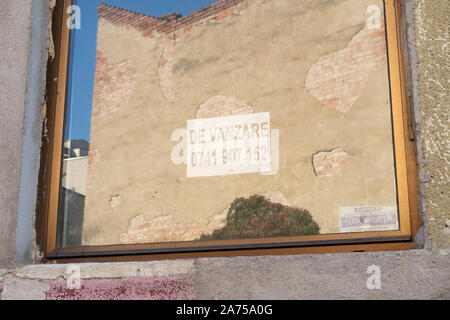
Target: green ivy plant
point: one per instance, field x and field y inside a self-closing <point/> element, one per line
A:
<point x="257" y="217"/>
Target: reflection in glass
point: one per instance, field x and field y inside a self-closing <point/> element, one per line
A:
<point x="217" y="120"/>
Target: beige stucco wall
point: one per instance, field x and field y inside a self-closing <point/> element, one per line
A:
<point x="74" y="174"/>
<point x="266" y="68"/>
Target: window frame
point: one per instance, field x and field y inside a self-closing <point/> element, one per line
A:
<point x="405" y="160"/>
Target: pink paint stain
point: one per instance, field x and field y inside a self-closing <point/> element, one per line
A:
<point x="138" y="288"/>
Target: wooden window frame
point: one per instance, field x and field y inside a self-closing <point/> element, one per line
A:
<point x="405" y="157"/>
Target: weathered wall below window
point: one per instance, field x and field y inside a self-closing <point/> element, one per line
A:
<point x="404" y="275"/>
<point x="419" y="274"/>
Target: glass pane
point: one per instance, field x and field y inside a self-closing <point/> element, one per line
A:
<point x="233" y="119"/>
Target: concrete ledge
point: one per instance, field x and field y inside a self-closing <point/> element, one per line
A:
<point x="416" y="274"/>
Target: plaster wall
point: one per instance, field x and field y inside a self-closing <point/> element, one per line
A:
<point x="14" y="52"/>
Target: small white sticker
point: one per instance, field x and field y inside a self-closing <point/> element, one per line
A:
<point x="359" y="219"/>
<point x="229" y="145"/>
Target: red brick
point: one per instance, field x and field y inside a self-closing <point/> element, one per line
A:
<point x="337" y="79"/>
<point x="330" y="163"/>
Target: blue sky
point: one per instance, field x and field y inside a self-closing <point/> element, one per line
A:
<point x="83" y="51"/>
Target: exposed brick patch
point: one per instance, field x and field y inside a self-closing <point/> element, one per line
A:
<point x="153" y="27"/>
<point x="113" y="87"/>
<point x="161" y="229"/>
<point x="165" y="70"/>
<point x="93" y="157"/>
<point x="165" y="229"/>
<point x="138" y="288"/>
<point x="94" y="160"/>
<point x="330" y="163"/>
<point x="143" y="23"/>
<point x="222" y="106"/>
<point x="336" y="80"/>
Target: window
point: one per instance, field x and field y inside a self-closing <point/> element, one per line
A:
<point x="226" y="127"/>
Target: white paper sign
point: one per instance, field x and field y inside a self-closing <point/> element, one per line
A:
<point x="360" y="219"/>
<point x="228" y="145"/>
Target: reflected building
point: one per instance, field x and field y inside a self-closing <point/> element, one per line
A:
<point x="72" y="193"/>
<point x="319" y="72"/>
<point x="75" y="149"/>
